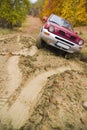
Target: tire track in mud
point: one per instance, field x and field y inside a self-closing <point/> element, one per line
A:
<point x="14" y="73"/>
<point x="3" y="101"/>
<point x="12" y="68"/>
<point x="14" y="80"/>
<point x="22" y="108"/>
<point x="13" y="88"/>
<point x="15" y="77"/>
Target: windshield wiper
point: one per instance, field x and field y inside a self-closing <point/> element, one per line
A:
<point x="54" y="22"/>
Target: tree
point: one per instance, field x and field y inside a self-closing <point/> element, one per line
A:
<point x="50" y="7"/>
<point x="75" y="12"/>
<point x="13" y="12"/>
<point x="39" y="3"/>
<point x="45" y="9"/>
<point x="81" y="14"/>
<point x="68" y="11"/>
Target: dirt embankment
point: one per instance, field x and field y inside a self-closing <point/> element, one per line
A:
<point x="61" y="104"/>
<point x="40" y="89"/>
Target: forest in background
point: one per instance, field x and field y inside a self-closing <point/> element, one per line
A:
<point x="73" y="10"/>
<point x="13" y="12"/>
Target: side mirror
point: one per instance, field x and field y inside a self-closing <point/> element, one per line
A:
<point x="44" y="19"/>
<point x="76" y="32"/>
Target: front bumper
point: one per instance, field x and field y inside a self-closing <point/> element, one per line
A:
<point x="59" y="42"/>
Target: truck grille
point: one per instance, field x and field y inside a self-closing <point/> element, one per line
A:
<point x="65" y="41"/>
<point x="66" y="35"/>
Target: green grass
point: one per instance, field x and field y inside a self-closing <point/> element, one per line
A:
<point x="5" y="31"/>
<point x="8" y="31"/>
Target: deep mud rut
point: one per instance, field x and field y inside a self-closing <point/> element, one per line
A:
<point x="24" y="73"/>
<point x="19" y="111"/>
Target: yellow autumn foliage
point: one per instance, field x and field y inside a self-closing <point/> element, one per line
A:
<point x="51" y="7"/>
<point x="73" y="10"/>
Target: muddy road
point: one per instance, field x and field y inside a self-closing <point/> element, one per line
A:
<point x="24" y="74"/>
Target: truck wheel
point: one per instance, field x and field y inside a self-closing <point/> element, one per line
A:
<point x="40" y="43"/>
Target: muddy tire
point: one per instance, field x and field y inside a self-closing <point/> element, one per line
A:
<point x="40" y="43"/>
<point x="68" y="55"/>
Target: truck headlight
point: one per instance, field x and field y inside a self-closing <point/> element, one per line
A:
<point x="80" y="42"/>
<point x="51" y="28"/>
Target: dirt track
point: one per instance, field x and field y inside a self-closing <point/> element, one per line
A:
<point x="24" y="71"/>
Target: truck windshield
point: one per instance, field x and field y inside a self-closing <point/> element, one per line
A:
<point x="61" y="22"/>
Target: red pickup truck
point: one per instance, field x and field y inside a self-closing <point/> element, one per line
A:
<point x="59" y="33"/>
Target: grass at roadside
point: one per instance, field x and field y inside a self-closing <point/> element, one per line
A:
<point x="4" y="31"/>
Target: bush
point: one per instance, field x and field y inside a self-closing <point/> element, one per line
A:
<point x="13" y="12"/>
